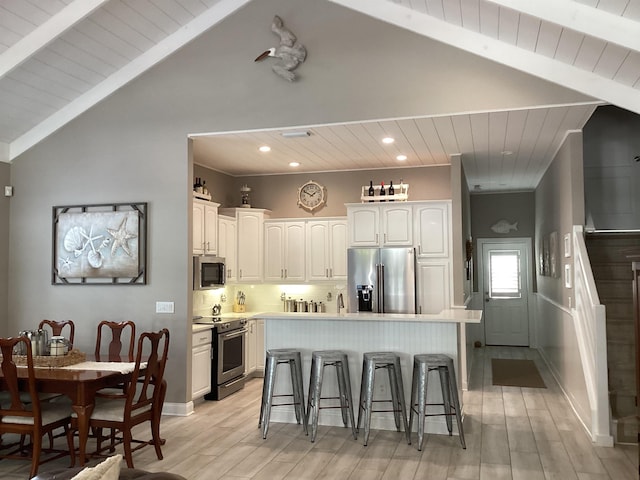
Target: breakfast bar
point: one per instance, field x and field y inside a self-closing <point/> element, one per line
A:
<point x="357" y="333"/>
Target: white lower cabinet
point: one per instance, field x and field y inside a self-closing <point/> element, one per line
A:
<point x="260" y="351"/>
<point x="201" y="364"/>
<point x="254" y="353"/>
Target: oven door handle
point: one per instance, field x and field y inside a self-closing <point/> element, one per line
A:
<point x="235" y="333"/>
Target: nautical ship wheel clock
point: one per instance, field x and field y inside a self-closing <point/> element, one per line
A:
<point x="312" y="196"/>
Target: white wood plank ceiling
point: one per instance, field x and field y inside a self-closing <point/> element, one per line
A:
<point x="60" y="57"/>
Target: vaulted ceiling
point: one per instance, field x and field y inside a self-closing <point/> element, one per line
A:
<point x="58" y="58"/>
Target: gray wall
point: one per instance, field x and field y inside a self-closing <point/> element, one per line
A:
<point x="279" y="193"/>
<point x="612" y="175"/>
<point x="4" y="249"/>
<point x="487" y="209"/>
<point x="559" y="206"/>
<point x="133" y="146"/>
<point x="461" y="230"/>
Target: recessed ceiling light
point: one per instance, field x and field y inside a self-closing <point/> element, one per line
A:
<point x="388" y="140"/>
<point x="401" y="157"/>
<point x="294" y="164"/>
<point x="265" y="148"/>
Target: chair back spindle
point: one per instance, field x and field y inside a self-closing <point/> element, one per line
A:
<point x="114" y="348"/>
<point x="57" y="328"/>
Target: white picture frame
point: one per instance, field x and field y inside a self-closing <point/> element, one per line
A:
<point x="567" y="245"/>
<point x="567" y="276"/>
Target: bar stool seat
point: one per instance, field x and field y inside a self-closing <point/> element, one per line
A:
<point x="275" y="357"/>
<point x="340" y="360"/>
<point x="422" y="365"/>
<point x="371" y="362"/>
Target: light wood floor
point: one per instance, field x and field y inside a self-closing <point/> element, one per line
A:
<point x="511" y="433"/>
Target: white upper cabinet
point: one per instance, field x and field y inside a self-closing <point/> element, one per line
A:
<point x="383" y="225"/>
<point x="284" y="251"/>
<point x="432" y="231"/>
<point x="205" y="227"/>
<point x="250" y="251"/>
<point x="326" y="250"/>
<point x="227" y="245"/>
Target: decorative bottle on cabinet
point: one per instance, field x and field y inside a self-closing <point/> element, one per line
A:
<point x="382" y="192"/>
<point x="371" y="190"/>
<point x="391" y="191"/>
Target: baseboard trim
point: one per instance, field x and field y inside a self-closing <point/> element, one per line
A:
<point x="178" y="409"/>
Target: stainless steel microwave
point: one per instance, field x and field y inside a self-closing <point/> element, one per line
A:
<point x="208" y="272"/>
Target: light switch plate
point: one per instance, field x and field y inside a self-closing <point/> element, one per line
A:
<point x="165" y="307"/>
<point x="8" y="191"/>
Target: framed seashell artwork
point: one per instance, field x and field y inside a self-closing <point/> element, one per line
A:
<point x="102" y="244"/>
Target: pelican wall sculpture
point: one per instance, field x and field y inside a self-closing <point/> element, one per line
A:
<point x="290" y="52"/>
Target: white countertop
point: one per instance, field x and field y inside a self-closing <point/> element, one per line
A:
<point x="197" y="327"/>
<point x="446" y="316"/>
<point x="454" y="315"/>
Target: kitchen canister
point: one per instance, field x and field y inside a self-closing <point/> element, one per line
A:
<point x="38" y="339"/>
<point x="302" y="306"/>
<point x="58" y="346"/>
<point x="21" y="348"/>
<point x="289" y="305"/>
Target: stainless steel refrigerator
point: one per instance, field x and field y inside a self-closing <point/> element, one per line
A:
<point x="381" y="280"/>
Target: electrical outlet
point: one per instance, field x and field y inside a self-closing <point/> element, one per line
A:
<point x="165" y="307"/>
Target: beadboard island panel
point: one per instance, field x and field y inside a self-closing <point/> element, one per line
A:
<point x="357" y="333"/>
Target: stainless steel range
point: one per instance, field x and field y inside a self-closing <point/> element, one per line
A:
<point x="228" y="353"/>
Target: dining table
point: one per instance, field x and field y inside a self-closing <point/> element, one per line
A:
<point x="79" y="382"/>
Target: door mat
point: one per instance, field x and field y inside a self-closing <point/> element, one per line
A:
<point x="516" y="373"/>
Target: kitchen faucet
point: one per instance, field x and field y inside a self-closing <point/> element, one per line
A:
<point x="340" y="302"/>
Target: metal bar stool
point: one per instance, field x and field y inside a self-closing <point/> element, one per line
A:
<point x="422" y="365"/>
<point x="274" y="358"/>
<point x="372" y="361"/>
<point x="319" y="360"/>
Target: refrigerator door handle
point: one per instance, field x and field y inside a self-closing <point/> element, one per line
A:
<point x="381" y="288"/>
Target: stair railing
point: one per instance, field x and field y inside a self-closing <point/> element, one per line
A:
<point x="589" y="317"/>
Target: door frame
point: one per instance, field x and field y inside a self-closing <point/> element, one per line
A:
<point x="527" y="244"/>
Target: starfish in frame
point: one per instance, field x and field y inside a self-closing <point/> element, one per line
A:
<point x="121" y="237"/>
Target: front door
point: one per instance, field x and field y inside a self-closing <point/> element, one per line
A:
<point x="505" y="283"/>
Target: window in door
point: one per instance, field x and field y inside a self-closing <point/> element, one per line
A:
<point x="504" y="274"/>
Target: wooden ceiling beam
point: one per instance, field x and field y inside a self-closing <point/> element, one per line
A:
<point x="142" y="63"/>
<point x="25" y="48"/>
<point x="594" y="22"/>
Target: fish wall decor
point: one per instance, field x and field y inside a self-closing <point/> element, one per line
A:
<point x="504" y="226"/>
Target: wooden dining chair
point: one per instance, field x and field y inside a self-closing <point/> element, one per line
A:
<point x="143" y="401"/>
<point x="57" y="328"/>
<point x="34" y="418"/>
<point x="114" y="347"/>
<point x="114" y="351"/>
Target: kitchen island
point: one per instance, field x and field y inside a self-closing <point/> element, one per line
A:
<point x="356" y="333"/>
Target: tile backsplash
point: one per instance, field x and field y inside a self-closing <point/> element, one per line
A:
<point x="266" y="298"/>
